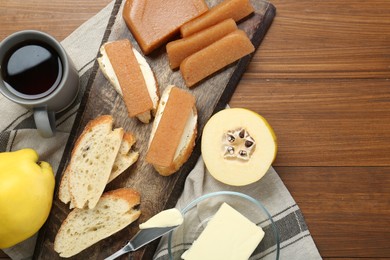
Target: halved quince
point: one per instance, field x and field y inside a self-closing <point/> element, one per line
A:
<point x="238" y="146"/>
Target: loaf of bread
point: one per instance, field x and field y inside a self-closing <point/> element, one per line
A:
<point x="131" y="76"/>
<point x="174" y="131"/>
<point x="84" y="227"/>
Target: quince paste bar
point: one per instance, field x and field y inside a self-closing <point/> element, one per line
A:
<point x="131" y="80"/>
<point x="169" y="131"/>
<point x="236" y="9"/>
<point x="180" y="49"/>
<point x="153" y="22"/>
<point x="216" y="56"/>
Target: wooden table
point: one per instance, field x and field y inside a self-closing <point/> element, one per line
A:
<point x="322" y="79"/>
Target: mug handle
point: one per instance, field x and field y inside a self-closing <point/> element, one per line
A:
<point x="45" y="121"/>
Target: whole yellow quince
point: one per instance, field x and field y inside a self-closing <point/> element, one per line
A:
<point x="26" y="195"/>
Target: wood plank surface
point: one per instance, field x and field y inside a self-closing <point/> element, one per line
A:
<point x="347" y="209"/>
<point x="323" y="122"/>
<point x="321" y="78"/>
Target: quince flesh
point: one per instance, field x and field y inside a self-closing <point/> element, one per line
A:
<point x="26" y="195"/>
<point x="238" y="146"/>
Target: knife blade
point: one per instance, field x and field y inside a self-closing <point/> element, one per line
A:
<point x="143" y="237"/>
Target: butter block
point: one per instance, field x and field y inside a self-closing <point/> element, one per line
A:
<point x="228" y="235"/>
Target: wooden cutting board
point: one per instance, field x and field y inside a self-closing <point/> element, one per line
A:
<point x="157" y="192"/>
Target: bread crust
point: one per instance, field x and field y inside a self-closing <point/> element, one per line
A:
<point x="132" y="196"/>
<point x="103" y="119"/>
<point x="129" y="138"/>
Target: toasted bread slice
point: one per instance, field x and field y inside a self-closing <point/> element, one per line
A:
<point x="131" y="76"/>
<point x="174" y="131"/>
<point x="124" y="159"/>
<point x="84" y="227"/>
<point x="92" y="159"/>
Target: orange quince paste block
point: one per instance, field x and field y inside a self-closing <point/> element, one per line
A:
<point x="154" y="22"/>
<point x="236" y="9"/>
<point x="129" y="74"/>
<point x="180" y="49"/>
<point x="171" y="127"/>
<point x="216" y="56"/>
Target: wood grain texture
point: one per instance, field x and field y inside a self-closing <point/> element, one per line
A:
<point x="347" y="209"/>
<point x="58" y="18"/>
<point x="318" y="122"/>
<point x="313" y="39"/>
<point x="321" y="78"/>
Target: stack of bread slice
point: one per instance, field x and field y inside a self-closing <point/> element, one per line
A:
<point x="99" y="155"/>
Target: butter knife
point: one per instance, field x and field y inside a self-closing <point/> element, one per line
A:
<point x="143" y="237"/>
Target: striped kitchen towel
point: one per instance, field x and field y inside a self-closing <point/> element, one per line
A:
<point x="296" y="242"/>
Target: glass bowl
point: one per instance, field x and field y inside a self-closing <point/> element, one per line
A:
<point x="197" y="214"/>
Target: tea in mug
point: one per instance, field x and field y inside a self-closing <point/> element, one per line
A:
<point x="32" y="69"/>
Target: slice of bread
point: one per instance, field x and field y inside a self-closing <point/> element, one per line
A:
<point x="63" y="192"/>
<point x="173" y="132"/>
<point x="131" y="76"/>
<point x="84" y="227"/>
<point x="124" y="159"/>
<point x="92" y="159"/>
